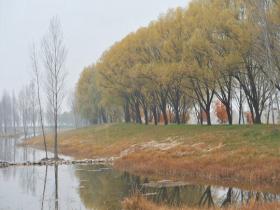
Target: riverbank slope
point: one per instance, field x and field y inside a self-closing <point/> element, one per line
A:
<point x="229" y="154"/>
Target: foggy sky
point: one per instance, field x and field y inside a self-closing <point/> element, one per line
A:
<point x="89" y="27"/>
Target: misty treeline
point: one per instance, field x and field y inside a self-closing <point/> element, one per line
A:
<point x="9" y="116"/>
<point x="37" y="105"/>
<point x="19" y="114"/>
<point x="184" y="61"/>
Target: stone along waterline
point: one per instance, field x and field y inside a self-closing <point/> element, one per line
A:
<point x="50" y="162"/>
<point x="86" y="186"/>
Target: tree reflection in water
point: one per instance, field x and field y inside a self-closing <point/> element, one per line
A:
<point x="44" y="188"/>
<point x="174" y="198"/>
<point x="56" y="198"/>
<point x="228" y="198"/>
<point x="35" y="187"/>
<point x="56" y="185"/>
<point x="100" y="187"/>
<point x="106" y="189"/>
<point x="203" y="196"/>
<point x="206" y="198"/>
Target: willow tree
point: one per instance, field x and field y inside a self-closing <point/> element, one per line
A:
<point x="172" y="53"/>
<point x="198" y="55"/>
<point x="149" y="56"/>
<point x="160" y="49"/>
<point x="188" y="56"/>
<point x="113" y="71"/>
<point x="225" y="30"/>
<point x="213" y="45"/>
<point x="266" y="14"/>
<point x="90" y="97"/>
<point x="86" y="95"/>
<point x="252" y="74"/>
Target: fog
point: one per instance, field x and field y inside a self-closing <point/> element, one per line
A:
<point x="89" y="27"/>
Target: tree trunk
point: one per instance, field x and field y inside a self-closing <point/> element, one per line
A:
<point x="138" y="113"/>
<point x="240" y="106"/>
<point x="55" y="138"/>
<point x="165" y="117"/>
<point x="258" y="119"/>
<point x="177" y="115"/>
<point x="162" y="101"/>
<point x="268" y="114"/>
<point x="272" y="110"/>
<point x="229" y="114"/>
<point x="184" y="118"/>
<point x="103" y="115"/>
<point x="201" y="116"/>
<point x="55" y="123"/>
<point x="127" y="117"/>
<point x="146" y="115"/>
<point x="154" y="111"/>
<point x="208" y="115"/>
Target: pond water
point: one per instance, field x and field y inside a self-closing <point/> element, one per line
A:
<point x="97" y="187"/>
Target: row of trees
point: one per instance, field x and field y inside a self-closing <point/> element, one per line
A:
<point x="41" y="100"/>
<point x="9" y="117"/>
<point x="224" y="49"/>
<point x="19" y="112"/>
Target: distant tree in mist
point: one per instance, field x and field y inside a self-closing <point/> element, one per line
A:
<point x="72" y="101"/>
<point x="24" y="109"/>
<point x="33" y="106"/>
<point x="6" y="112"/>
<point x="15" y="114"/>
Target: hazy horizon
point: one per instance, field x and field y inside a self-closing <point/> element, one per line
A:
<point x="89" y="29"/>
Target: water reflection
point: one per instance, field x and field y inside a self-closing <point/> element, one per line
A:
<point x="99" y="187"/>
<point x="228" y="200"/>
<point x="35" y="187"/>
<point x="10" y="152"/>
<point x="44" y="189"/>
<point x="205" y="196"/>
<point x="105" y="189"/>
<point x="56" y="186"/>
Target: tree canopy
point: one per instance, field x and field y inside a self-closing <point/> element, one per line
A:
<point x="228" y="49"/>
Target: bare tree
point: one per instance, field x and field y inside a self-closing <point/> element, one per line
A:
<point x="6" y="112"/>
<point x="54" y="56"/>
<point x="35" y="67"/>
<point x="9" y="118"/>
<point x="15" y="115"/>
<point x="1" y="118"/>
<point x="24" y="109"/>
<point x="33" y="106"/>
<point x="74" y="108"/>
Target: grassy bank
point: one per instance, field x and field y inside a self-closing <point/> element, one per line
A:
<point x="231" y="154"/>
<point x="139" y="203"/>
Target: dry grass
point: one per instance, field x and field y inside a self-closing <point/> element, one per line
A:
<point x="229" y="154"/>
<point x="140" y="203"/>
<point x="236" y="168"/>
<point x="91" y="142"/>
